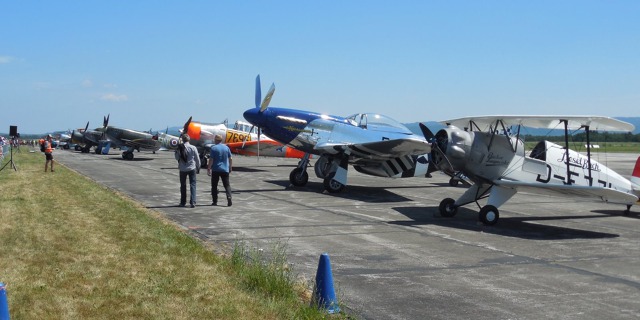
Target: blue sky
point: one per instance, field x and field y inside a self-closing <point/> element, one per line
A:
<point x="152" y="64"/>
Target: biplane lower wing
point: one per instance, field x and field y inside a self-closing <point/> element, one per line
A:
<point x="605" y="194"/>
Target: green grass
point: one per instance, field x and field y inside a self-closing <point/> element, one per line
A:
<point x="71" y="249"/>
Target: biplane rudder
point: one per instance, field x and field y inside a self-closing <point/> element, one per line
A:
<point x="635" y="177"/>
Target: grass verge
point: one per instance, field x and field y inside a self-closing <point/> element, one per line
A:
<point x="71" y="249"/>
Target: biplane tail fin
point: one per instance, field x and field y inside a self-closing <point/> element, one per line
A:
<point x="635" y="177"/>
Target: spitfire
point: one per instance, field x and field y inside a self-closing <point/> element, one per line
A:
<point x="494" y="159"/>
<point x="85" y="139"/>
<point x="129" y="139"/>
<point x="373" y="144"/>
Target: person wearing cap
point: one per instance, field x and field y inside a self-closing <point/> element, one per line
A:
<point x="220" y="166"/>
<point x="48" y="152"/>
<point x="188" y="164"/>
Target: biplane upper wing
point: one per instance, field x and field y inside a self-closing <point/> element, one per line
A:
<point x="542" y="122"/>
<point x="602" y="193"/>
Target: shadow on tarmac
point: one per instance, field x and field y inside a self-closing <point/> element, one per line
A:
<point x="351" y="192"/>
<point x="134" y="159"/>
<point x="247" y="169"/>
<point x="516" y="227"/>
<point x="619" y="213"/>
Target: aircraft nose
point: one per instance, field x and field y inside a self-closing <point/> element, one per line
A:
<point x="254" y="116"/>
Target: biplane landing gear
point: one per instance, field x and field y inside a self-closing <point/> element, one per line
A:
<point x="298" y="177"/>
<point x="489" y="215"/>
<point x="447" y="208"/>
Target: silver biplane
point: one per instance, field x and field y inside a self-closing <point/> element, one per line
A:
<point x="489" y="153"/>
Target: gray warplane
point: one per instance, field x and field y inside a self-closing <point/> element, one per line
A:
<point x="167" y="141"/>
<point x="129" y="140"/>
<point x="85" y="139"/>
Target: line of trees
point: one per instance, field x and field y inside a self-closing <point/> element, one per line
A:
<point x="594" y="136"/>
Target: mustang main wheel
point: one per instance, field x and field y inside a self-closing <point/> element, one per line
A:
<point x="298" y="177"/>
<point x="127" y="155"/>
<point x="333" y="186"/>
<point x="447" y="208"/>
<point x="489" y="215"/>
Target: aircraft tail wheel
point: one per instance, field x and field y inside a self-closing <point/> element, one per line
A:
<point x="489" y="215"/>
<point x="447" y="208"/>
<point x="298" y="177"/>
<point x="453" y="182"/>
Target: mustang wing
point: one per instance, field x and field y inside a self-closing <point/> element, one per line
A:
<point x="543" y="122"/>
<point x="378" y="150"/>
<point x="601" y="193"/>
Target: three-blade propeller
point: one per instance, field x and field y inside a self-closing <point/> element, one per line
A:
<point x="185" y="129"/>
<point x="262" y="104"/>
<point x="105" y="124"/>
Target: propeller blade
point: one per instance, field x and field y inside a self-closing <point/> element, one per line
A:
<point x="259" y="132"/>
<point x="185" y="129"/>
<point x="426" y="132"/>
<point x="87" y="127"/>
<point x="258" y="91"/>
<point x="244" y="140"/>
<point x="267" y="98"/>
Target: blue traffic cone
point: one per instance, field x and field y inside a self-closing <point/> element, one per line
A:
<point x="324" y="295"/>
<point x="4" y="305"/>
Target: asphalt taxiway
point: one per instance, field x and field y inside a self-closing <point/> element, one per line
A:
<point x="393" y="256"/>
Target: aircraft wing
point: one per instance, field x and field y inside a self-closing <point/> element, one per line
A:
<point x="543" y="122"/>
<point x="147" y="144"/>
<point x="250" y="148"/>
<point x="378" y="150"/>
<point x="600" y="193"/>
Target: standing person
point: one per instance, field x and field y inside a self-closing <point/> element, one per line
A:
<point x="189" y="164"/>
<point x="48" y="152"/>
<point x="220" y="166"/>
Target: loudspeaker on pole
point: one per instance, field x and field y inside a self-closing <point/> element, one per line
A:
<point x="324" y="295"/>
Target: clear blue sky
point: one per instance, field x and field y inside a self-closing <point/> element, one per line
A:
<point x="152" y="64"/>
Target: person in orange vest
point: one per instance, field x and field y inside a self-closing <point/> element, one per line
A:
<point x="48" y="152"/>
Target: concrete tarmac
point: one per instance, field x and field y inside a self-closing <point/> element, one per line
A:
<point x="393" y="256"/>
